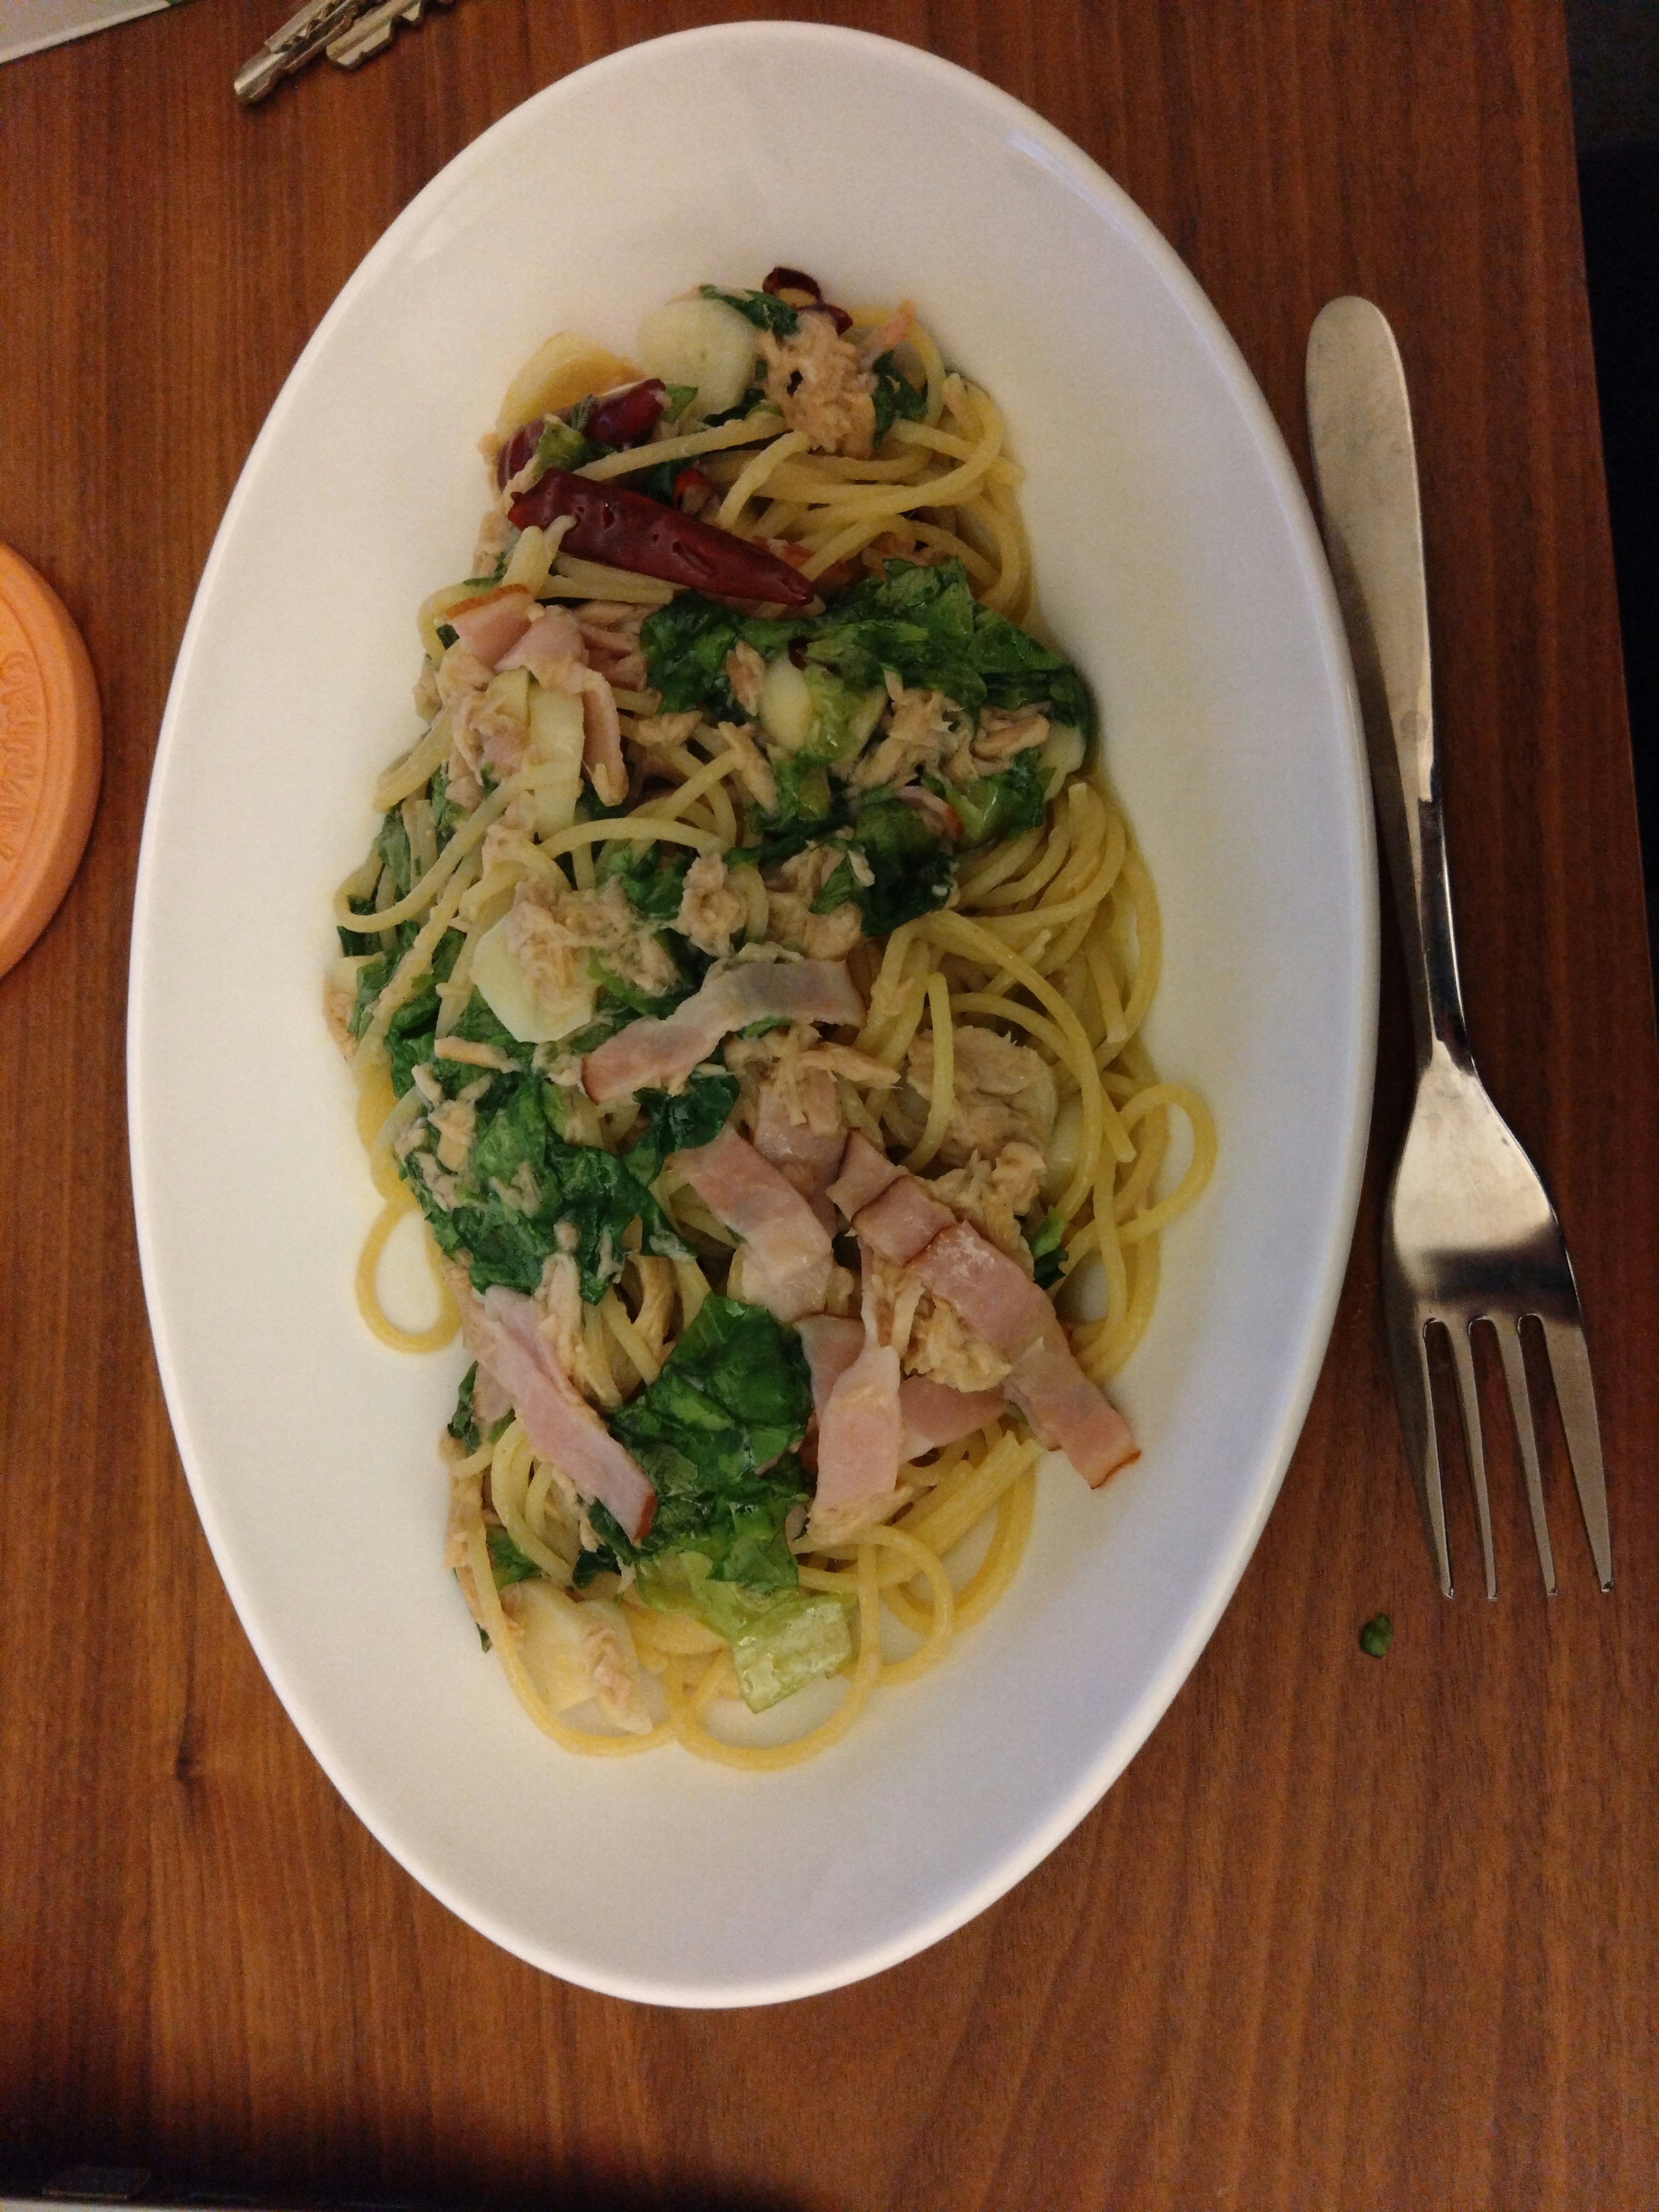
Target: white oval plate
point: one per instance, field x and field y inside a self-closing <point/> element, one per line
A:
<point x="1177" y="559"/>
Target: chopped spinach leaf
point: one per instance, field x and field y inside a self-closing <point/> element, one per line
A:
<point x="912" y="865"/>
<point x="1376" y="1636"/>
<point x="523" y="1194"/>
<point x="765" y="309"/>
<point x="679" y="1122"/>
<point x="716" y="1433"/>
<point x="652" y="875"/>
<point x="561" y="446"/>
<point x="1048" y="1252"/>
<point x="896" y="398"/>
<point x="1001" y="805"/>
<point x="507" y="1564"/>
<point x="447" y="635"/>
<point x="676" y="398"/>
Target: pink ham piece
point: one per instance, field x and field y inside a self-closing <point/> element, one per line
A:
<point x="1066" y="1411"/>
<point x="551" y="640"/>
<point x="805" y="1157"/>
<point x="831" y="1345"/>
<point x="861" y="1429"/>
<point x="903" y="1221"/>
<point x="786" y="1258"/>
<point x="658" y="1054"/>
<point x="994" y="1296"/>
<point x="865" y="1174"/>
<point x="491" y="626"/>
<point x="933" y="1414"/>
<point x="1000" y="1301"/>
<point x="502" y="1333"/>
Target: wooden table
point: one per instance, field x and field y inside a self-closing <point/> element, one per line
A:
<point x="1347" y="1934"/>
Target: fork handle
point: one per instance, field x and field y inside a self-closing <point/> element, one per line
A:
<point x="1364" y="459"/>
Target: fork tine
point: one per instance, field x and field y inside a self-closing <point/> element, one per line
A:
<point x="1413" y="1395"/>
<point x="1468" y="1404"/>
<point x="1508" y="1334"/>
<point x="1575" y="1394"/>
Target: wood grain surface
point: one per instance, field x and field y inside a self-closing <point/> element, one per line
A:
<point x="1348" y="1932"/>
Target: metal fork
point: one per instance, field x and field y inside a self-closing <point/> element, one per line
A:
<point x="1469" y="1233"/>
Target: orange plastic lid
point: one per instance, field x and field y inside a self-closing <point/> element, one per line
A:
<point x="50" y="754"/>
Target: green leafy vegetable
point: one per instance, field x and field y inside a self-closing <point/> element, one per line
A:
<point x="507" y="1564"/>
<point x="896" y="398"/>
<point x="911" y="865"/>
<point x="1001" y="805"/>
<point x="1376" y="1636"/>
<point x="561" y="446"/>
<point x="779" y="1641"/>
<point x="652" y="875"/>
<point x="765" y="309"/>
<point x="1047" y="1252"/>
<point x="716" y="1433"/>
<point x="677" y="397"/>
<point x="523" y="1194"/>
<point x="447" y="635"/>
<point x="685" y="645"/>
<point x="680" y="1121"/>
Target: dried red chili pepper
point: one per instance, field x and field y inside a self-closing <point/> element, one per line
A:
<point x="628" y="417"/>
<point x="797" y="280"/>
<point x="641" y="535"/>
<point x="694" y="491"/>
<point x="619" y="418"/>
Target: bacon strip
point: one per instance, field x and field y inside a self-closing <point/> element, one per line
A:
<point x="491" y="626"/>
<point x="656" y="1054"/>
<point x="551" y="641"/>
<point x="861" y="1429"/>
<point x="994" y="1297"/>
<point x="903" y="1221"/>
<point x="804" y="1156"/>
<point x="865" y="1174"/>
<point x="831" y="1345"/>
<point x="999" y="1300"/>
<point x="1068" y="1412"/>
<point x="502" y="1333"/>
<point x="786" y="1257"/>
<point x="935" y="1414"/>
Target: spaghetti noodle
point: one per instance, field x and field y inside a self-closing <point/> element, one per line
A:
<point x="746" y="985"/>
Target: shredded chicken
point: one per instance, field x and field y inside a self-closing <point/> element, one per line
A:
<point x="338" y="1000"/>
<point x="791" y="887"/>
<point x="930" y="1337"/>
<point x="922" y="728"/>
<point x="454" y="1124"/>
<point x="746" y="672"/>
<point x="482" y="730"/>
<point x="754" y="769"/>
<point x="494" y="536"/>
<point x="653" y="730"/>
<point x="459" y="672"/>
<point x="1003" y="1092"/>
<point x="801" y="1070"/>
<point x="551" y="932"/>
<point x="1001" y="735"/>
<point x="712" y="912"/>
<point x="993" y="1195"/>
<point x="817" y="381"/>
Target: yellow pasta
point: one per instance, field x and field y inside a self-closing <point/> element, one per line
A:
<point x="496" y="853"/>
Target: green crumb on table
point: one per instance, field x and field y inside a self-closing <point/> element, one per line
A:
<point x="1376" y="1635"/>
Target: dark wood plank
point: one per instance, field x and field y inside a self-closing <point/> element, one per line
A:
<point x="1347" y="1933"/>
